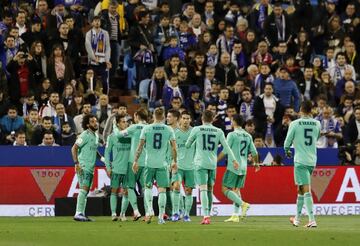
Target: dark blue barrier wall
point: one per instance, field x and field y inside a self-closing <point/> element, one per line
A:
<point x="61" y="156"/>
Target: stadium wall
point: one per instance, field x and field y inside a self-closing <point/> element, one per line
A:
<point x="31" y="178"/>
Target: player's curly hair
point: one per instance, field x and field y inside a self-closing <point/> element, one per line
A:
<point x="86" y="121"/>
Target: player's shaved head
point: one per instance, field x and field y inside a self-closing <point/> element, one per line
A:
<point x="207" y="116"/>
<point x="159" y="113"/>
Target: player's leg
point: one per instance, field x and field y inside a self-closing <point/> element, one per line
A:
<point x="201" y="176"/>
<point x="114" y="184"/>
<point x="85" y="180"/>
<point x="130" y="184"/>
<point x="148" y="196"/>
<point x="140" y="179"/>
<point x="211" y="183"/>
<point x="308" y="200"/>
<point x="175" y="184"/>
<point x="162" y="179"/>
<point x="189" y="182"/>
<point x="229" y="189"/>
<point x="124" y="204"/>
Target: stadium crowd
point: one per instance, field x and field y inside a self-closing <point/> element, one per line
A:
<point x="60" y="58"/>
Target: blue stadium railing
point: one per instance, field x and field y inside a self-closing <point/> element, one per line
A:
<point x="61" y="156"/>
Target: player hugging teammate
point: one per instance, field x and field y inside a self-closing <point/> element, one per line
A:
<point x="147" y="153"/>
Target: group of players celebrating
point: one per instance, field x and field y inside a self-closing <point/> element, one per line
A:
<point x="176" y="154"/>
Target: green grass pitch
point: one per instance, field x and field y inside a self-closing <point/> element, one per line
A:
<point x="253" y="231"/>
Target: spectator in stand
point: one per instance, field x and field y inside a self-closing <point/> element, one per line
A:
<point x="340" y="85"/>
<point x="142" y="46"/>
<point x="173" y="65"/>
<point x="113" y="21"/>
<point x="308" y="85"/>
<point x="102" y="110"/>
<point x="205" y="41"/>
<point x="268" y="111"/>
<point x="156" y="85"/>
<point x="90" y="86"/>
<point x="250" y="127"/>
<point x="246" y="109"/>
<point x="335" y="34"/>
<point x="330" y="130"/>
<point x="4" y="103"/>
<point x="193" y="103"/>
<point x="261" y="55"/>
<point x="39" y="131"/>
<point x="294" y="70"/>
<point x="29" y="103"/>
<point x="241" y="29"/>
<point x="163" y="33"/>
<point x="86" y="110"/>
<point x="48" y="139"/>
<point x="37" y="51"/>
<point x="43" y="92"/>
<point x="20" y="139"/>
<point x="286" y="90"/>
<point x="68" y="95"/>
<point x="262" y="78"/>
<point x="352" y="130"/>
<point x="49" y="108"/>
<point x="225" y="42"/>
<point x="21" y="67"/>
<point x="61" y="117"/>
<point x="21" y="22"/>
<point x="277" y="27"/>
<point x="222" y="102"/>
<point x="318" y="69"/>
<point x="97" y="44"/>
<point x="42" y="11"/>
<point x="225" y="71"/>
<point x="32" y="121"/>
<point x="280" y="55"/>
<point x="352" y="57"/>
<point x="337" y="72"/>
<point x="282" y="129"/>
<point x="196" y="26"/>
<point x="171" y="89"/>
<point x="122" y="111"/>
<point x="34" y="33"/>
<point x="230" y="112"/>
<point x="351" y="90"/>
<point x="68" y="137"/>
<point x="212" y="55"/>
<point x="235" y="95"/>
<point x="258" y="141"/>
<point x="238" y="58"/>
<point x="346" y="108"/>
<point x="259" y="14"/>
<point x="208" y="81"/>
<point x="173" y="48"/>
<point x="196" y="69"/>
<point x="70" y="44"/>
<point x="76" y="105"/>
<point x="59" y="68"/>
<point x="326" y="87"/>
<point x="187" y="40"/>
<point x="55" y="18"/>
<point x="7" y="52"/>
<point x="176" y="103"/>
<point x="11" y="123"/>
<point x="303" y="49"/>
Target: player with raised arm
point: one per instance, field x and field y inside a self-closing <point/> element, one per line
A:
<point x="206" y="139"/>
<point x="185" y="172"/>
<point x="118" y="150"/>
<point x="156" y="137"/>
<point x="134" y="131"/>
<point x="303" y="133"/>
<point x="84" y="153"/>
<point x="241" y="143"/>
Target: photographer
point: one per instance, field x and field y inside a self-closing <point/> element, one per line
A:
<point x="21" y="68"/>
<point x="350" y="154"/>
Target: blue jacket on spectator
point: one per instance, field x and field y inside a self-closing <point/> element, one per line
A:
<point x="187" y="40"/>
<point x="285" y="90"/>
<point x="8" y="125"/>
<point x="169" y="51"/>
